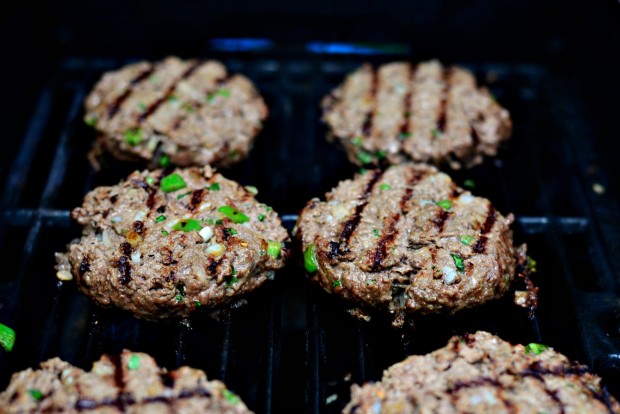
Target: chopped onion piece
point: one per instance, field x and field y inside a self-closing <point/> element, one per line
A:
<point x="135" y="257"/>
<point x="449" y="275"/>
<point x="206" y="233"/>
<point x="64" y="275"/>
<point x="216" y="250"/>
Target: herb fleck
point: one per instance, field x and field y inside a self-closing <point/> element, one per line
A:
<point x="160" y="219"/>
<point x="337" y="283"/>
<point x="458" y="262"/>
<point x="535" y="348"/>
<point x="261" y="217"/>
<point x="230" y="396"/>
<point x="385" y="186"/>
<point x="134" y="362"/>
<point x="466" y="240"/>
<point x="35" y="394"/>
<point x="214" y="187"/>
<point x="445" y="204"/>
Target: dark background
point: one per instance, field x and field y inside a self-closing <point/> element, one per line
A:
<point x="578" y="40"/>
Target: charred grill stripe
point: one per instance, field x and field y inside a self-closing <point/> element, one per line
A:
<point x="480" y="245"/>
<point x="441" y="219"/>
<point x="124" y="267"/>
<point x="389" y="236"/>
<point x="84" y="266"/>
<point x="219" y="83"/>
<point x="126" y="402"/>
<point x="114" y="107"/>
<point x="150" y="200"/>
<point x="405" y="127"/>
<point x="153" y="107"/>
<point x="196" y="198"/>
<point x="349" y="226"/>
<point x="372" y="96"/>
<point x="445" y="96"/>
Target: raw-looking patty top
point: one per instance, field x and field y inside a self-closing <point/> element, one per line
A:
<point x="409" y="240"/>
<point x="192" y="112"/>
<point x="424" y="112"/>
<point x="163" y="245"/>
<point x="481" y="373"/>
<point x="128" y="383"/>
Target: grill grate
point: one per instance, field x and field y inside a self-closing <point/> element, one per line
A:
<point x="292" y="348"/>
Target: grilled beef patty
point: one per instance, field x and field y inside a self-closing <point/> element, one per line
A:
<point x="409" y="240"/>
<point x="166" y="245"/>
<point x="423" y="112"/>
<point x="129" y="383"/>
<point x="480" y="373"/>
<point x="187" y="112"/>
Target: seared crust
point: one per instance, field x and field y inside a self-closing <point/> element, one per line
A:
<point x="408" y="240"/>
<point x="192" y="111"/>
<point x="137" y="253"/>
<point x="424" y="113"/>
<point x="129" y="383"/>
<point x="480" y="373"/>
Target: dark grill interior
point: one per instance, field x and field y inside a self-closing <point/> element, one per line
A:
<point x="293" y="348"/>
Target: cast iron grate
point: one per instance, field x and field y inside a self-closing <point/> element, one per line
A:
<point x="292" y="348"/>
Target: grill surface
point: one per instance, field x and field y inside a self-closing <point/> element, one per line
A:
<point x="292" y="348"/>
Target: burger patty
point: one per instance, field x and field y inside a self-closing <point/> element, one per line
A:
<point x="163" y="245"/>
<point x="185" y="112"/>
<point x="481" y="373"/>
<point x="409" y="240"/>
<point x="423" y="112"/>
<point x="129" y="383"/>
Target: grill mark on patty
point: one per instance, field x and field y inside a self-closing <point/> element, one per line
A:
<point x="124" y="267"/>
<point x="389" y="236"/>
<point x="442" y="112"/>
<point x="372" y="96"/>
<point x="153" y="107"/>
<point x="405" y="126"/>
<point x="114" y="107"/>
<point x="349" y="226"/>
<point x="219" y="84"/>
<point x="480" y="382"/>
<point x="441" y="219"/>
<point x="480" y="245"/>
<point x="196" y="198"/>
<point x="127" y="402"/>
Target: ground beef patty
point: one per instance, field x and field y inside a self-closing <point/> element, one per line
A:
<point x="407" y="239"/>
<point x="187" y="112"/>
<point x="131" y="382"/>
<point x="422" y="112"/>
<point x="166" y="245"/>
<point x="480" y="373"/>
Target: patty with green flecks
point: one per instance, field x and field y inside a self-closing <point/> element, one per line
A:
<point x="407" y="240"/>
<point x="127" y="383"/>
<point x="481" y="373"/>
<point x="424" y="113"/>
<point x="183" y="112"/>
<point x="168" y="244"/>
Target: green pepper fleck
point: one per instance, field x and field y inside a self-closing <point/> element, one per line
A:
<point x="180" y="196"/>
<point x="469" y="183"/>
<point x="234" y="271"/>
<point x="187" y="225"/>
<point x="7" y="337"/>
<point x="173" y="182"/>
<point x="385" y="186"/>
<point x="133" y="136"/>
<point x="233" y="214"/>
<point x="164" y="232"/>
<point x="231" y="281"/>
<point x="91" y="121"/>
<point x="337" y="283"/>
<point x="274" y="248"/>
<point x="164" y="161"/>
<point x="134" y="362"/>
<point x="535" y="348"/>
<point x="364" y="157"/>
<point x="150" y="180"/>
<point x="310" y="262"/>
<point x="376" y="232"/>
<point x="458" y="262"/>
<point x="160" y="219"/>
<point x="218" y="222"/>
<point x="445" y="204"/>
<point x="214" y="187"/>
<point x="35" y="394"/>
<point x="380" y="154"/>
<point x="232" y="231"/>
<point x="179" y="297"/>
<point x="530" y="264"/>
<point x="363" y="171"/>
<point x="357" y="141"/>
<point x="197" y="304"/>
<point x="230" y="396"/>
<point x="466" y="240"/>
<point x="261" y="217"/>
